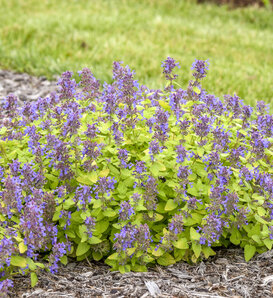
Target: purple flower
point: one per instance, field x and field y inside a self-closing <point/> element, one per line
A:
<point x="11" y="105"/>
<point x="154" y="148"/>
<point x="139" y="173"/>
<point x="90" y="85"/>
<point x="67" y="85"/>
<point x="103" y="187"/>
<point x="181" y="153"/>
<point x="200" y="68"/>
<point x="83" y="196"/>
<point x="123" y="157"/>
<point x="150" y="194"/>
<point x="168" y="65"/>
<point x="176" y="225"/>
<point x="202" y="127"/>
<point x="5" y="285"/>
<point x="90" y="225"/>
<point x="125" y="211"/>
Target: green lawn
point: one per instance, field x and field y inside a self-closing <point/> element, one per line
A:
<point x="48" y="37"/>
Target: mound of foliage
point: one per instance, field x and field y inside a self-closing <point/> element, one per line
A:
<point x="132" y="176"/>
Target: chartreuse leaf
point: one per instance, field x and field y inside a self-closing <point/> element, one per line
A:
<point x="31" y="264"/>
<point x="82" y="248"/>
<point x="22" y="247"/>
<point x="84" y="180"/>
<point x="18" y="261"/>
<point x="64" y="260"/>
<point x="235" y="237"/>
<point x="109" y="212"/>
<point x="113" y="256"/>
<point x="94" y="240"/>
<point x="208" y="251"/>
<point x="194" y="235"/>
<point x="170" y="205"/>
<point x="166" y="260"/>
<point x="196" y="247"/>
<point x="249" y="251"/>
<point x="181" y="243"/>
<point x="165" y="105"/>
<point x="34" y="279"/>
<point x="268" y="243"/>
<point x="139" y="268"/>
<point x="158" y="252"/>
<point x="104" y="173"/>
<point x="101" y="226"/>
<point x="124" y="268"/>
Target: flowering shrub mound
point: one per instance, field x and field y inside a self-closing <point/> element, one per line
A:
<point x="131" y="175"/>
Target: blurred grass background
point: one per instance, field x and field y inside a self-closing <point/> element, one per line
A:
<point x="48" y="37"/>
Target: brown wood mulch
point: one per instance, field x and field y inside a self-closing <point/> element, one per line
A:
<point x="224" y="275"/>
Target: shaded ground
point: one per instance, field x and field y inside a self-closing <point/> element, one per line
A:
<point x="224" y="275"/>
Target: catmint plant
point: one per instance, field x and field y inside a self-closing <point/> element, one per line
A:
<point x="131" y="175"/>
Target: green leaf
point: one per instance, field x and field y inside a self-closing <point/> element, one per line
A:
<point x="194" y="235"/>
<point x="159" y="252"/>
<point x="31" y="264"/>
<point x="109" y="212"/>
<point x="22" y="247"/>
<point x="94" y="240"/>
<point x="82" y="248"/>
<point x="257" y="239"/>
<point x="113" y="256"/>
<point x="122" y="189"/>
<point x="249" y="251"/>
<point x="18" y="261"/>
<point x="208" y="251"/>
<point x="104" y="173"/>
<point x="157" y="167"/>
<point x="139" y="268"/>
<point x="193" y="191"/>
<point x="170" y="205"/>
<point x="101" y="226"/>
<point x="70" y="233"/>
<point x="97" y="203"/>
<point x="97" y="255"/>
<point x="64" y="260"/>
<point x="196" y="247"/>
<point x="165" y="105"/>
<point x="192" y="177"/>
<point x="261" y="211"/>
<point x="34" y="279"/>
<point x="196" y="90"/>
<point x="259" y="219"/>
<point x="84" y="180"/>
<point x="235" y="237"/>
<point x="268" y="243"/>
<point x="124" y="268"/>
<point x="166" y="260"/>
<point x="130" y="250"/>
<point x="181" y="243"/>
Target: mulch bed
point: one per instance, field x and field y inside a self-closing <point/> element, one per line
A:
<point x="224" y="275"/>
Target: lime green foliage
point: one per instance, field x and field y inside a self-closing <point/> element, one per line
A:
<point x="49" y="37"/>
<point x="94" y="174"/>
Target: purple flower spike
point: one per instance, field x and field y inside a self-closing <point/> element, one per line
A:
<point x="168" y="65"/>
